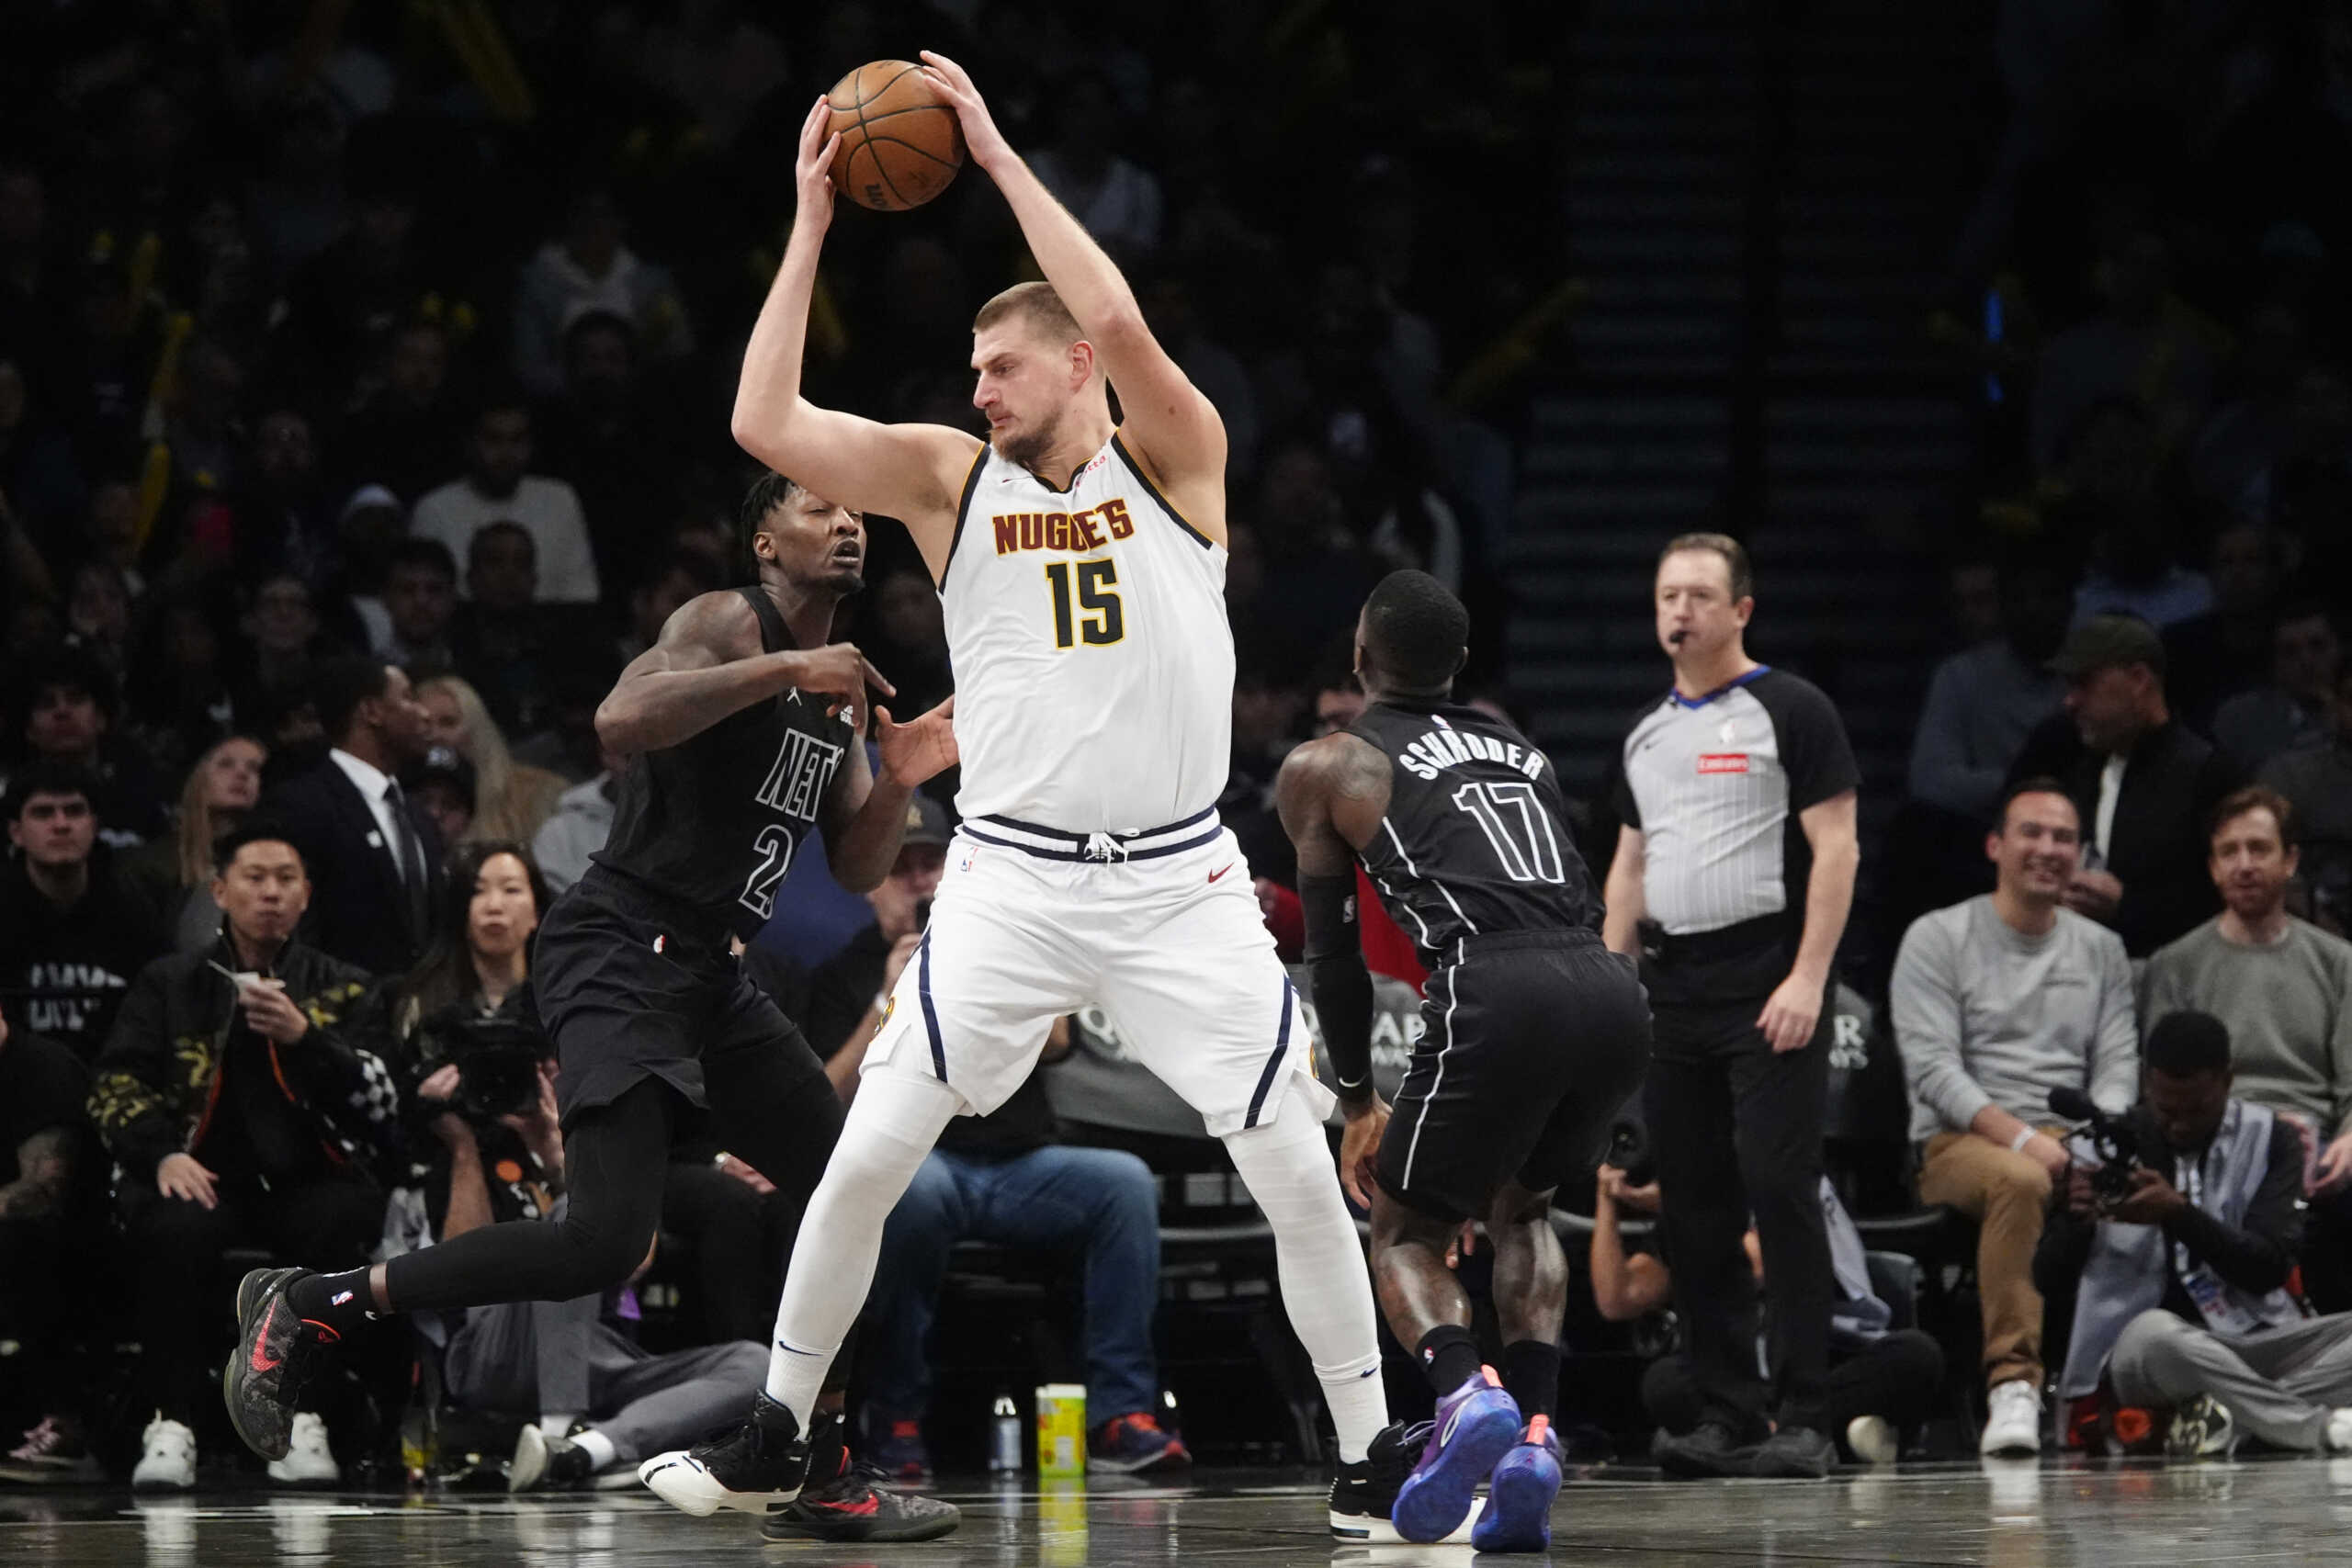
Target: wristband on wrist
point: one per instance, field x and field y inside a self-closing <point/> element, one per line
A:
<point x="2024" y="1137"/>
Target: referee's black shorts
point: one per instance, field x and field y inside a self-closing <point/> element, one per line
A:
<point x="631" y="985"/>
<point x="1535" y="1041"/>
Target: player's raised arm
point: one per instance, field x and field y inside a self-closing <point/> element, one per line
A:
<point x="1167" y="423"/>
<point x="913" y="472"/>
<point x="706" y="664"/>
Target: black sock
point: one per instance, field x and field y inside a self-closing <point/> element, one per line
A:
<point x="1531" y="1370"/>
<point x="1449" y="1356"/>
<point x="340" y="1302"/>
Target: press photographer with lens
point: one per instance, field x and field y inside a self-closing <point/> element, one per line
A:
<point x="464" y="1017"/>
<point x="2181" y="1265"/>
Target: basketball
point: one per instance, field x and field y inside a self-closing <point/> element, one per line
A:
<point x="899" y="145"/>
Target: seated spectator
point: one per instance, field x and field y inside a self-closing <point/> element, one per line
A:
<point x="616" y="441"/>
<point x="2317" y="783"/>
<point x="371" y="524"/>
<point x="65" y="710"/>
<point x="1983" y="701"/>
<point x="2180" y="1287"/>
<point x="374" y="858"/>
<point x="2143" y="344"/>
<point x="583" y="821"/>
<point x="1000" y="1177"/>
<point x="2283" y="989"/>
<point x="2212" y="657"/>
<point x="2143" y="786"/>
<point x="510" y="799"/>
<point x="73" y="929"/>
<point x="685" y="574"/>
<point x="181" y="701"/>
<point x="48" y="1177"/>
<point x="1995" y="1002"/>
<point x="174" y="874"/>
<point x="499" y="487"/>
<point x="595" y="1403"/>
<point x="283" y="641"/>
<point x="420" y="608"/>
<point x="1881" y="1382"/>
<point x="2290" y="710"/>
<point x="1117" y="201"/>
<point x="589" y="268"/>
<point x="480" y="966"/>
<point x="241" y="1109"/>
<point x="443" y="788"/>
<point x="528" y="661"/>
<point x="402" y="437"/>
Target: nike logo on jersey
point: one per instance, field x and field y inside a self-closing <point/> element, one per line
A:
<point x="1220" y="871"/>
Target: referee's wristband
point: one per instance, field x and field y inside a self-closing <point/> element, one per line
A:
<point x="2025" y="1136"/>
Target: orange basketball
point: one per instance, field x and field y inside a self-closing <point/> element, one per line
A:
<point x="899" y="145"/>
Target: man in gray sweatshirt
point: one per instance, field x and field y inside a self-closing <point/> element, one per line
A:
<point x="1996" y="1001"/>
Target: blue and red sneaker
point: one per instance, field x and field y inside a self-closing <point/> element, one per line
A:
<point x="1134" y="1445"/>
<point x="1474" y="1427"/>
<point x="1519" y="1499"/>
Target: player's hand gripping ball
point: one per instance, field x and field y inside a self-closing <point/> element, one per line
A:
<point x="900" y="145"/>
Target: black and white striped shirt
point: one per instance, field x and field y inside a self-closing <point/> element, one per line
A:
<point x="1715" y="785"/>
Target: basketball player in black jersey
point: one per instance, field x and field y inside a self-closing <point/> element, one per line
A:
<point x="1537" y="1035"/>
<point x="741" y="724"/>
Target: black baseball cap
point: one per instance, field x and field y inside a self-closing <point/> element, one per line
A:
<point x="926" y="821"/>
<point x="443" y="765"/>
<point x="2105" y="642"/>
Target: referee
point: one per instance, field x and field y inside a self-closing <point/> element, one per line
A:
<point x="1734" y="870"/>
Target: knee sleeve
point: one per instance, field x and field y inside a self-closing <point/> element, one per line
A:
<point x="1326" y="1289"/>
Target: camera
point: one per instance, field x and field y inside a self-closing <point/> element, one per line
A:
<point x="497" y="1061"/>
<point x="2118" y="1147"/>
<point x="1629" y="1151"/>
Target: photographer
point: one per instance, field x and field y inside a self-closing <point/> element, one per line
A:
<point x="488" y="1098"/>
<point x="1881" y="1382"/>
<point x="240" y="1109"/>
<point x="2182" y="1301"/>
<point x="1996" y="1001"/>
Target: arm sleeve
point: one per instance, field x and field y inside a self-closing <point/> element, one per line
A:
<point x="2115" y="1053"/>
<point x="2257" y="1256"/>
<point x="1924" y="999"/>
<point x="1815" y="751"/>
<point x="1339" y="981"/>
<point x="1941" y="771"/>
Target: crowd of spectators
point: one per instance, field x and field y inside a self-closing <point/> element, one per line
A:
<point x="346" y="457"/>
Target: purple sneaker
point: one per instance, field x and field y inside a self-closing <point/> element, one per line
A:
<point x="1474" y="1425"/>
<point x="1519" y="1500"/>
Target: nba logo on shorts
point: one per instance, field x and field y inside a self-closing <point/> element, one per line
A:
<point x="971" y="853"/>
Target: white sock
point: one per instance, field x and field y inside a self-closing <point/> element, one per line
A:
<point x="1327" y="1286"/>
<point x="598" y="1447"/>
<point x="893" y="1123"/>
<point x="557" y="1425"/>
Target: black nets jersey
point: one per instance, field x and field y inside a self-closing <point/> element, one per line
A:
<point x="715" y="820"/>
<point x="1477" y="839"/>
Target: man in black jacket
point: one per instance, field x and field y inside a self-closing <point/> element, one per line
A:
<point x="241" y="1108"/>
<point x="73" y="929"/>
<point x="373" y="857"/>
<point x="2180" y="1276"/>
<point x="2145" y="785"/>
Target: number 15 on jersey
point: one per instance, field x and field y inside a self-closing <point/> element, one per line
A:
<point x="1097" y="618"/>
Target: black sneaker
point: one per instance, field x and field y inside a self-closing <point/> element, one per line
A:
<point x="850" y="1507"/>
<point x="1711" y="1451"/>
<point x="1797" y="1453"/>
<point x="276" y="1352"/>
<point x="759" y="1465"/>
<point x="1364" y="1493"/>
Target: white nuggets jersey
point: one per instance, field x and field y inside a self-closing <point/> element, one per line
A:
<point x="1093" y="661"/>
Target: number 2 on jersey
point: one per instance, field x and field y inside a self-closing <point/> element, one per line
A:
<point x="1104" y="620"/>
<point x="1529" y="855"/>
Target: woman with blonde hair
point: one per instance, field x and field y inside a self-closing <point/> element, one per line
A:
<point x="511" y="798"/>
<point x="174" y="871"/>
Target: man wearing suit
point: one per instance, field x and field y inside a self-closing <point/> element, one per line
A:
<point x="2145" y="785"/>
<point x="374" y="856"/>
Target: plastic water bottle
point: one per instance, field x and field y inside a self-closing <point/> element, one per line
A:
<point x="1005" y="1436"/>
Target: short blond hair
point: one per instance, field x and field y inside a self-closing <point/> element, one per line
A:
<point x="1038" y="304"/>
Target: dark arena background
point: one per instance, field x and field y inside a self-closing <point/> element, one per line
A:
<point x="2008" y="337"/>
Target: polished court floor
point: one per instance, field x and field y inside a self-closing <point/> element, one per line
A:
<point x="2020" y="1516"/>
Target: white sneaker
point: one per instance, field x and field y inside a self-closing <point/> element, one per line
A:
<point x="1872" y="1441"/>
<point x="168" y="1460"/>
<point x="309" y="1461"/>
<point x="2339" y="1431"/>
<point x="2014" y="1423"/>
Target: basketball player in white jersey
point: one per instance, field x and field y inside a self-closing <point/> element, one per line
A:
<point x="1082" y="567"/>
